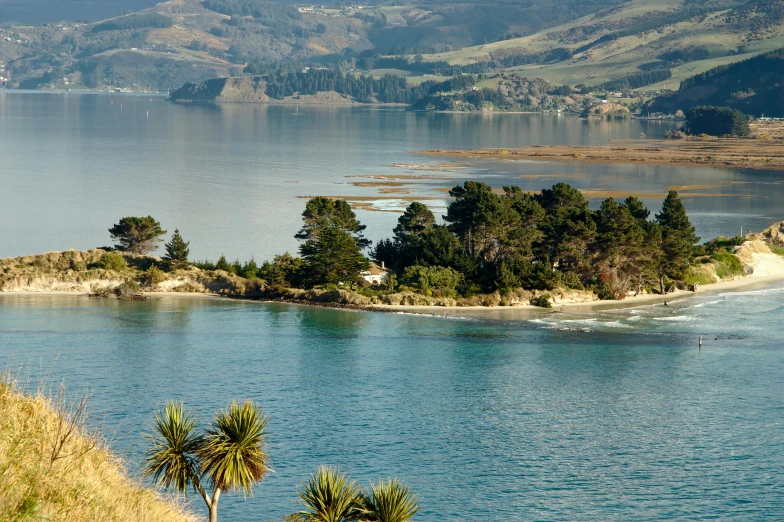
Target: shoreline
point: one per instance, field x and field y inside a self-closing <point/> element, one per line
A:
<point x="456" y="311"/>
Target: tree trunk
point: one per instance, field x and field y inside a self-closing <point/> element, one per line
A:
<point x="661" y="284"/>
<point x="214" y="506"/>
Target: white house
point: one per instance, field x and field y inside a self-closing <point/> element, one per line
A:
<point x="376" y="275"/>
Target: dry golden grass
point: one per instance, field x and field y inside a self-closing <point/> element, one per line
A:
<point x="52" y="469"/>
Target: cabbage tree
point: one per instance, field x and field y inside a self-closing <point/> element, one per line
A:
<point x="226" y="456"/>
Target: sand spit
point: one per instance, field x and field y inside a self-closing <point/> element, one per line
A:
<point x="745" y="153"/>
<point x="64" y="274"/>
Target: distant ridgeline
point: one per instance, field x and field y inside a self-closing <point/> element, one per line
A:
<point x="331" y="86"/>
<point x="754" y="86"/>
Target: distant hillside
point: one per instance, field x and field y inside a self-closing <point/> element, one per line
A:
<point x="646" y="45"/>
<point x="684" y="36"/>
<point x="427" y="26"/>
<point x="175" y="42"/>
<point x="754" y="86"/>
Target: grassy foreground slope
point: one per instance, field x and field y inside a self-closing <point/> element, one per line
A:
<point x="49" y="472"/>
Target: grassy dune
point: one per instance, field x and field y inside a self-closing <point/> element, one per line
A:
<point x="51" y="468"/>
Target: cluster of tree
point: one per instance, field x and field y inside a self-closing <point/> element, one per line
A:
<point x="387" y="89"/>
<point x="753" y="86"/>
<point x="717" y="121"/>
<point x="757" y="15"/>
<point x="490" y="242"/>
<point x="142" y="235"/>
<point x="559" y="54"/>
<point x="367" y="62"/>
<point x="636" y="80"/>
<point x="230" y="455"/>
<point x="464" y="100"/>
<point x="134" y="21"/>
<point x="248" y="269"/>
<point x="690" y="54"/>
<point x="259" y="9"/>
<point x="493" y="242"/>
<point x="456" y="83"/>
<point x="541" y="241"/>
<point x="650" y="22"/>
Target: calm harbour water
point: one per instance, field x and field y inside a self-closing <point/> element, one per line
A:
<point x="232" y="177"/>
<point x="611" y="415"/>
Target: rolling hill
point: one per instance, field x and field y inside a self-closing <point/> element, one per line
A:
<point x="753" y="86"/>
<point x="637" y="44"/>
<point x="684" y="36"/>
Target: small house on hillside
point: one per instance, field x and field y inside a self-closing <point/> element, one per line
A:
<point x="376" y="275"/>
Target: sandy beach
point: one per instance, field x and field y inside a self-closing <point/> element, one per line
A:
<point x="509" y="312"/>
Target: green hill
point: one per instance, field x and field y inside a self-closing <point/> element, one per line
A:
<point x="754" y="86"/>
<point x="683" y="36"/>
<point x="639" y="44"/>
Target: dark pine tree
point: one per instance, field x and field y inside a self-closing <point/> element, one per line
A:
<point x="678" y="239"/>
<point x="177" y="251"/>
<point x="333" y="257"/>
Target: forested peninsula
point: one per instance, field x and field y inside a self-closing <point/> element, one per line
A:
<point x="326" y="86"/>
<point x="507" y="248"/>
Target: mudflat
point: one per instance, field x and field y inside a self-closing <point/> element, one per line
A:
<point x="747" y="153"/>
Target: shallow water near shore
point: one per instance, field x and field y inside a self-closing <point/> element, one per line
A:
<point x="611" y="415"/>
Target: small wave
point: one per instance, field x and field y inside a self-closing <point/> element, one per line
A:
<point x="766" y="291"/>
<point x="677" y="318"/>
<point x="591" y="320"/>
<point x="615" y="324"/>
<point x="707" y="303"/>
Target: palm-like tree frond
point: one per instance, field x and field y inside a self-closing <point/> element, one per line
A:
<point x="330" y="496"/>
<point x="172" y="459"/>
<point x="233" y="453"/>
<point x="389" y="501"/>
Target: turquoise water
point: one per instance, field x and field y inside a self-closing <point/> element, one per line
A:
<point x="613" y="415"/>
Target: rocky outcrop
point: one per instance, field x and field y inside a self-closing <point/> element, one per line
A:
<point x="247" y="89"/>
<point x="774" y="234"/>
<point x="607" y="111"/>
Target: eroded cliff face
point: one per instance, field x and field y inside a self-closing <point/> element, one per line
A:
<point x="759" y="260"/>
<point x="773" y="234"/>
<point x="248" y="89"/>
<point x="607" y="111"/>
<point x="75" y="271"/>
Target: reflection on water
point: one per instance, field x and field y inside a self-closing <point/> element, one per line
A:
<point x="230" y="176"/>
